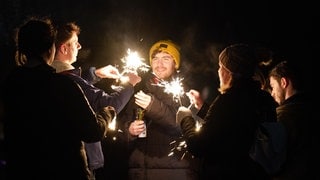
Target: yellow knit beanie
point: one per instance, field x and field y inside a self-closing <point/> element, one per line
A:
<point x="166" y="46"/>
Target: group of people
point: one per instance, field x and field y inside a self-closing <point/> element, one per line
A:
<point x="56" y="119"/>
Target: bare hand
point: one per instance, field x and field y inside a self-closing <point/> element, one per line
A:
<point x="136" y="127"/>
<point x="195" y="98"/>
<point x="108" y="72"/>
<point x="133" y="78"/>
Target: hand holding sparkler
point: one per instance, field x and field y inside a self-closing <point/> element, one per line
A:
<point x="108" y="72"/>
<point x="132" y="78"/>
<point x="195" y="99"/>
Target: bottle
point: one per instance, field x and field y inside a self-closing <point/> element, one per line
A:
<point x="139" y="116"/>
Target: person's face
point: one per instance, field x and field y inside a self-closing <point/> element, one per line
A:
<point x="163" y="65"/>
<point x="277" y="91"/>
<point x="72" y="47"/>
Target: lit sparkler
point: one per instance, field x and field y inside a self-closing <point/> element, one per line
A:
<point x="179" y="148"/>
<point x="132" y="63"/>
<point x="112" y="124"/>
<point x="174" y="87"/>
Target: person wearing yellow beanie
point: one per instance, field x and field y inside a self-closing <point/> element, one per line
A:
<point x="152" y="157"/>
<point x="166" y="46"/>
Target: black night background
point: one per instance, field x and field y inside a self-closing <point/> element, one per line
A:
<point x="201" y="27"/>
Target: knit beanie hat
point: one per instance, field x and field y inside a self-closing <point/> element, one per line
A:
<point x="168" y="47"/>
<point x="239" y="59"/>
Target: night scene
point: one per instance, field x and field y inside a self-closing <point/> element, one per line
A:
<point x="153" y="90"/>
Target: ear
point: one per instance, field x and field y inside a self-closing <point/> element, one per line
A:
<point x="284" y="82"/>
<point x="62" y="49"/>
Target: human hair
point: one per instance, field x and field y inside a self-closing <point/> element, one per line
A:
<point x="33" y="38"/>
<point x="285" y="69"/>
<point x="65" y="32"/>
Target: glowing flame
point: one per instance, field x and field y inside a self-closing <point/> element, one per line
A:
<point x="132" y="63"/>
<point x="198" y="125"/>
<point x="112" y="124"/>
<point x="175" y="87"/>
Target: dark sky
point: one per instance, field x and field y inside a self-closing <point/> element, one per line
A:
<point x="201" y="27"/>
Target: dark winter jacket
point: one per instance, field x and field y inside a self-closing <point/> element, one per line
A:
<point x="155" y="157"/>
<point x="47" y="117"/>
<point x="224" y="141"/>
<point x="295" y="114"/>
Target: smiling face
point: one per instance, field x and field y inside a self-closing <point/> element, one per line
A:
<point x="163" y="65"/>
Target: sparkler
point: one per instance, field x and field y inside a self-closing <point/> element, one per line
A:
<point x="112" y="124"/>
<point x="132" y="63"/>
<point x="180" y="145"/>
<point x="179" y="148"/>
<point x="112" y="127"/>
<point x="174" y="87"/>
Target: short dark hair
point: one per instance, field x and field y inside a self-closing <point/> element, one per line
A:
<point x="288" y="70"/>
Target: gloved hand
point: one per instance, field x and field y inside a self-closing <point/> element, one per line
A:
<point x="142" y="99"/>
<point x="182" y="113"/>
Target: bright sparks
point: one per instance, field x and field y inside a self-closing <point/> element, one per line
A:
<point x="174" y="87"/>
<point x="112" y="124"/>
<point x="133" y="62"/>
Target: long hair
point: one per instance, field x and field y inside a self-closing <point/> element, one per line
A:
<point x="35" y="37"/>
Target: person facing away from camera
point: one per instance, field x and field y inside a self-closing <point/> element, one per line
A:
<point x="67" y="47"/>
<point x="294" y="112"/>
<point x="150" y="157"/>
<point x="47" y="116"/>
<point x="230" y="122"/>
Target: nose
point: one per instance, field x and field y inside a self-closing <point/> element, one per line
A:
<point x="79" y="46"/>
<point x="272" y="94"/>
